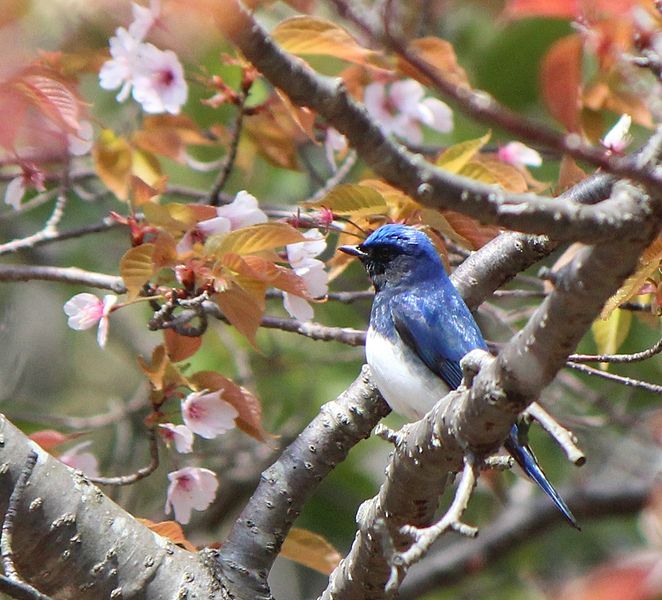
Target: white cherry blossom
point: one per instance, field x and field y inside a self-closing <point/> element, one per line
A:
<point x="519" y="155"/>
<point x="207" y="414"/>
<point x="191" y="488"/>
<point x="86" y="310"/>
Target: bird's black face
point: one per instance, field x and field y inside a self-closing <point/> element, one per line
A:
<point x="386" y="264"/>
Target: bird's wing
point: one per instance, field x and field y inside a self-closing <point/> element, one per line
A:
<point x="439" y="328"/>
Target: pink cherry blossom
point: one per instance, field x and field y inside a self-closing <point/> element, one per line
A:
<point x="179" y="435"/>
<point x="401" y="109"/>
<point x="118" y="72"/>
<point x="618" y="137"/>
<point x="82" y="461"/>
<point x="334" y="143"/>
<point x="86" y="310"/>
<point x="207" y="414"/>
<point x="144" y="19"/>
<point x="519" y="155"/>
<point x="159" y="83"/>
<point x="241" y="212"/>
<point x="31" y="177"/>
<point x="191" y="488"/>
<point x="80" y="143"/>
<point x="301" y="257"/>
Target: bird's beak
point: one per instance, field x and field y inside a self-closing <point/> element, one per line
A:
<point x="353" y="251"/>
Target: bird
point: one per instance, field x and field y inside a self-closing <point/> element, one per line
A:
<point x="420" y="329"/>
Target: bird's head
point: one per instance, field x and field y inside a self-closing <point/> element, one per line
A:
<point x="398" y="255"/>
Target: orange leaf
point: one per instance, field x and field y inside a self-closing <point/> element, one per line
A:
<point x="509" y="177"/>
<point x="561" y="80"/>
<point x="351" y="199"/>
<point x="264" y="270"/>
<point x="310" y="550"/>
<point x="255" y="238"/>
<point x="563" y="9"/>
<point x="570" y="173"/>
<point x="310" y="35"/>
<point x="242" y="310"/>
<point x="275" y="136"/>
<point x="169" y="135"/>
<point x="170" y="530"/>
<point x="180" y="347"/>
<point x="136" y="268"/>
<point x="440" y="55"/>
<point x="246" y="403"/>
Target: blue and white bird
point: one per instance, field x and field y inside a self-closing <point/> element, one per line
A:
<point x="420" y="329"/>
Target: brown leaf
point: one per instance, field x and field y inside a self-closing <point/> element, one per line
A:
<point x="351" y="199"/>
<point x="247" y="404"/>
<point x="180" y="347"/>
<point x="440" y="55"/>
<point x="561" y="80"/>
<point x="470" y="229"/>
<point x="261" y="269"/>
<point x="169" y="135"/>
<point x="161" y="373"/>
<point x="113" y="160"/>
<point x="242" y="310"/>
<point x="255" y="238"/>
<point x="170" y="530"/>
<point x="311" y="550"/>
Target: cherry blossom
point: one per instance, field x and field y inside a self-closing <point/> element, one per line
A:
<point x="401" y="109"/>
<point x="30" y="176"/>
<point x="80" y="143"/>
<point x="241" y="212"/>
<point x="334" y="143"/>
<point x="76" y="458"/>
<point x="191" y="488"/>
<point x="301" y="257"/>
<point x="207" y="414"/>
<point x="519" y="155"/>
<point x="618" y="137"/>
<point x="158" y="80"/>
<point x="119" y="71"/>
<point x="86" y="310"/>
<point x="144" y="19"/>
<point x="155" y="77"/>
<point x="179" y="435"/>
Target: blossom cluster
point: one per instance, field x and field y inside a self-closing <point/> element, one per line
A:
<point x="153" y="76"/>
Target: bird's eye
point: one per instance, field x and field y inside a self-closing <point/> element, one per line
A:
<point x="383" y="254"/>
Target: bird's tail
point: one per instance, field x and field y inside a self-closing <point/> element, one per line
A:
<point x="525" y="458"/>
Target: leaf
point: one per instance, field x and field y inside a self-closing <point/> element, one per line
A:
<point x="478" y="172"/>
<point x="49" y="439"/>
<point x="170" y="530"/>
<point x="112" y="160"/>
<point x="649" y="263"/>
<point x="169" y="135"/>
<point x="561" y="80"/>
<point x="180" y="347"/>
<point x="509" y="177"/>
<point x="470" y="229"/>
<point x="609" y="334"/>
<point x="520" y="9"/>
<point x="454" y="159"/>
<point x="275" y="136"/>
<point x="264" y="270"/>
<point x="247" y="404"/>
<point x="52" y="97"/>
<point x="351" y="200"/>
<point x="304" y="35"/>
<point x="440" y="55"/>
<point x="136" y="268"/>
<point x="310" y="550"/>
<point x="254" y="238"/>
<point x="242" y="310"/>
<point x="161" y="373"/>
<point x="570" y="173"/>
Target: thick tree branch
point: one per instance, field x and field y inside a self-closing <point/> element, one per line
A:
<point x="71" y="541"/>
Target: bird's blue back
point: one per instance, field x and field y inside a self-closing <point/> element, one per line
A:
<point x="418" y="310"/>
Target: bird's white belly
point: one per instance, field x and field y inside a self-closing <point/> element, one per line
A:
<point x="409" y="387"/>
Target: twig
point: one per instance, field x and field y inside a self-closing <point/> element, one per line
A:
<point x="644" y="385"/>
<point x="12" y="509"/>
<point x="20" y="590"/>
<point x="336" y="178"/>
<point x="214" y="195"/>
<point x="140" y="473"/>
<point x="618" y="358"/>
<point x="425" y="537"/>
<point x="71" y="275"/>
<point x="564" y="438"/>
